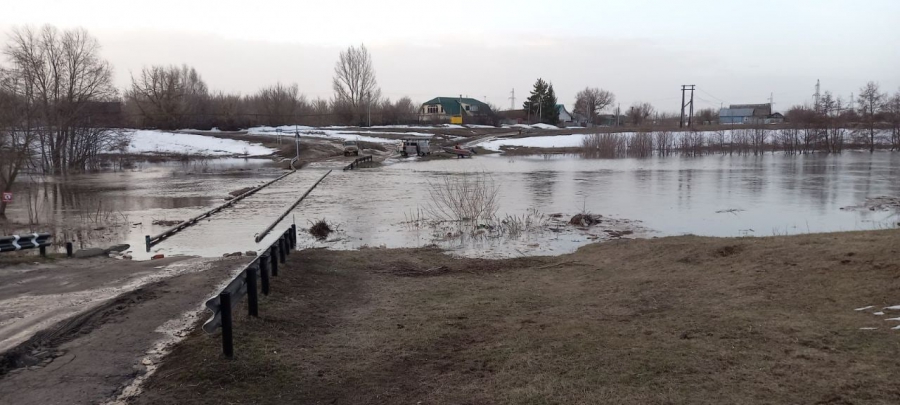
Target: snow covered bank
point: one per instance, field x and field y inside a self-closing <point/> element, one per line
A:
<point x="882" y="137"/>
<point x="311" y="132"/>
<point x="558" y="141"/>
<point x="149" y="141"/>
<point x="534" y="126"/>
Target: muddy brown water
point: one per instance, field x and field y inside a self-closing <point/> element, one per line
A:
<point x="712" y="195"/>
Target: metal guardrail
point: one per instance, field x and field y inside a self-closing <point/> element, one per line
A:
<point x="265" y="232"/>
<point x="256" y="273"/>
<point x="21" y="242"/>
<point x="355" y="163"/>
<point x="153" y="240"/>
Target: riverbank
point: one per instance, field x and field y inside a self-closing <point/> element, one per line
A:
<point x="787" y="319"/>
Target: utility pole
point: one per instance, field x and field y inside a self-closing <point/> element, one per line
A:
<point x="618" y="112"/>
<point x="684" y="88"/>
<point x="369" y="108"/>
<point x="297" y="141"/>
<point x="772" y="102"/>
<point x="816" y="95"/>
<point x="512" y="99"/>
<point x="540" y="108"/>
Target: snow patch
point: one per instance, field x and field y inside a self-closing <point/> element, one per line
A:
<point x="892" y="319"/>
<point x="879" y="313"/>
<point x="310" y="132"/>
<point x="893" y="308"/>
<point x="868" y="328"/>
<point x="152" y="141"/>
<point x="864" y="308"/>
<point x="559" y="141"/>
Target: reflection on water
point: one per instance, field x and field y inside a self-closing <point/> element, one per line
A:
<point x="711" y="195"/>
<point x="105" y="208"/>
<point x="757" y="195"/>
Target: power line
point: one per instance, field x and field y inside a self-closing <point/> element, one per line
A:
<point x="707" y="93"/>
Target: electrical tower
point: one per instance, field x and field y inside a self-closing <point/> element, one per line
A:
<point x="684" y="88"/>
<point x="512" y="99"/>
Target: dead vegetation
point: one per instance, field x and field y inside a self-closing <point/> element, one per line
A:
<point x="320" y="229"/>
<point x="680" y="320"/>
<point x="166" y="222"/>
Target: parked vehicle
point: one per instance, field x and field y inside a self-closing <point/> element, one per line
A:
<point x="459" y="151"/>
<point x="415" y="147"/>
<point x="351" y="148"/>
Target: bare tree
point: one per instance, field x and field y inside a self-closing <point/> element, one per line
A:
<point x="62" y="74"/>
<point x="870" y="103"/>
<point x="640" y="112"/>
<point x="355" y="86"/>
<point x="404" y="111"/>
<point x="280" y="104"/>
<point x="892" y="109"/>
<point x="18" y="118"/>
<point x="591" y="101"/>
<point x="168" y="97"/>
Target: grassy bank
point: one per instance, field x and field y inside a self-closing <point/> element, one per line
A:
<point x="672" y="320"/>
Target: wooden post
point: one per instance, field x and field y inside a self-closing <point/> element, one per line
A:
<point x="68" y="249"/>
<point x="274" y="255"/>
<point x="147" y="241"/>
<point x="43" y="251"/>
<point x="227" y="338"/>
<point x="264" y="272"/>
<point x="294" y="234"/>
<point x="282" y="254"/>
<point x="252" y="292"/>
<point x="286" y="243"/>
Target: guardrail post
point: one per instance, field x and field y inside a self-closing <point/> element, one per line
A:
<point x="294" y="234"/>
<point x="227" y="338"/>
<point x="68" y="249"/>
<point x="252" y="292"/>
<point x="264" y="272"/>
<point x="274" y="255"/>
<point x="43" y="251"/>
<point x="287" y="242"/>
<point x="282" y="252"/>
<point x="147" y="241"/>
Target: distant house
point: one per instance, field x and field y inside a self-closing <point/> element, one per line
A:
<point x="775" y="118"/>
<point x="513" y="117"/>
<point x="608" y="120"/>
<point x="565" y="118"/>
<point x="456" y="110"/>
<point x="746" y="114"/>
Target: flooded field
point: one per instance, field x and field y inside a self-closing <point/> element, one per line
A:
<point x="386" y="206"/>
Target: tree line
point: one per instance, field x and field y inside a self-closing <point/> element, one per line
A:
<point x="174" y="97"/>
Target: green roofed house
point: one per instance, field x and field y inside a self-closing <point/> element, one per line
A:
<point x="455" y="110"/>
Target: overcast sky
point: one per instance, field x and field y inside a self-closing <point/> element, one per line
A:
<point x="735" y="52"/>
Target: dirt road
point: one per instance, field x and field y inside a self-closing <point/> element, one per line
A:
<point x="678" y="320"/>
<point x="79" y="331"/>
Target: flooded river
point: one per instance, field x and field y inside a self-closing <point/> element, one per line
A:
<point x="712" y="195"/>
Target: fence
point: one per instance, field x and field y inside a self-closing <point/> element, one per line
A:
<point x="256" y="274"/>
<point x="355" y="163"/>
<point x="21" y="242"/>
<point x="152" y="240"/>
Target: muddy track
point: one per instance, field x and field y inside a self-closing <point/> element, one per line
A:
<point x="95" y="355"/>
<point x="42" y="347"/>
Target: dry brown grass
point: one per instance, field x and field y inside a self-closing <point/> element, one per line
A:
<point x="682" y="320"/>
